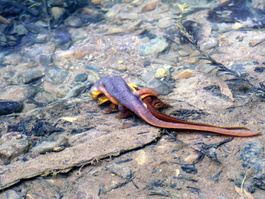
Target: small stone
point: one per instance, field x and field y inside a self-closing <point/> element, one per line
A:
<point x="183" y="53"/>
<point x="155" y="46"/>
<point x="49" y="146"/>
<point x="121" y="67"/>
<point x="12" y="59"/>
<point x="149" y="7"/>
<point x="79" y="34"/>
<point x="116" y="30"/>
<point x="251" y="151"/>
<point x="162" y="71"/>
<point x="256" y="42"/>
<point x="165" y="22"/>
<point x="121" y="171"/>
<point x="8" y="107"/>
<point x="205" y="68"/>
<point x="19" y="30"/>
<point x="259" y="69"/>
<point x="17" y="93"/>
<point x="44" y="97"/>
<point x="81" y="77"/>
<point x="73" y="21"/>
<point x="113" y="11"/>
<point x="63" y="39"/>
<point x="83" y="51"/>
<point x="141" y="157"/>
<point x="46" y="60"/>
<point x="29" y="76"/>
<point x="186" y="74"/>
<point x="56" y="75"/>
<point x="3" y="40"/>
<point x="96" y="2"/>
<point x="57" y="12"/>
<point x="78" y="90"/>
<point x="209" y="44"/>
<point x="161" y="87"/>
<point x="236" y="26"/>
<point x="10" y="194"/>
<point x="127" y="15"/>
<point x="12" y="145"/>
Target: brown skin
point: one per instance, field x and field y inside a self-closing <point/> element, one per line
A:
<point x="149" y="97"/>
<point x="116" y="90"/>
<point x="152" y="108"/>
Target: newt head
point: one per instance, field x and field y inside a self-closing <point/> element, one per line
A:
<point x="95" y="92"/>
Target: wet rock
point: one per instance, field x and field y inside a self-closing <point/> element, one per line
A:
<point x="127" y="15"/>
<point x="3" y="40"/>
<point x="81" y="77"/>
<point x="96" y="2"/>
<point x="183" y="53"/>
<point x="155" y="46"/>
<point x="256" y="42"/>
<point x="116" y="30"/>
<point x="194" y="29"/>
<point x="189" y="169"/>
<point x="162" y="71"/>
<point x="113" y="11"/>
<point x="17" y="93"/>
<point x="165" y="22"/>
<point x="241" y="68"/>
<point x="73" y="21"/>
<point x="12" y="145"/>
<point x="63" y="38"/>
<point x="19" y="30"/>
<point x="161" y="87"/>
<point x="91" y="17"/>
<point x="185" y="74"/>
<point x="10" y="194"/>
<point x="57" y="12"/>
<point x="41" y="128"/>
<point x="208" y="44"/>
<point x="251" y="152"/>
<point x="50" y="146"/>
<point x="56" y="75"/>
<point x="259" y="69"/>
<point x="29" y="76"/>
<point x="44" y="97"/>
<point x="46" y="60"/>
<point x="121" y="171"/>
<point x="78" y="90"/>
<point x="12" y="59"/>
<point x="8" y="107"/>
<point x="149" y="7"/>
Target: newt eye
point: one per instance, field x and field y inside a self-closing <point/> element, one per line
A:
<point x="102" y="100"/>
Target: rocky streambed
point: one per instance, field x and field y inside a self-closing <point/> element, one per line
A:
<point x="204" y="58"/>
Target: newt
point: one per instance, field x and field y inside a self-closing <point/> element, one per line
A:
<point x="149" y="97"/>
<point x="113" y="88"/>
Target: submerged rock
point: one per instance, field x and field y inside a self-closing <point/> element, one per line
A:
<point x="8" y="107"/>
<point x="12" y="145"/>
<point x="155" y="46"/>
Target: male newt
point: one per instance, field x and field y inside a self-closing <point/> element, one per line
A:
<point x="149" y="97"/>
<point x="116" y="90"/>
